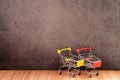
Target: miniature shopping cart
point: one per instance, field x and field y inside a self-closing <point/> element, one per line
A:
<point x="69" y="60"/>
<point x="91" y="61"/>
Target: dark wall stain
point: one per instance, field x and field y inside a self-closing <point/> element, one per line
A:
<point x="31" y="31"/>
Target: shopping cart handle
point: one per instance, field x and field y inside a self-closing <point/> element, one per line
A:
<point x="64" y="49"/>
<point x="78" y="50"/>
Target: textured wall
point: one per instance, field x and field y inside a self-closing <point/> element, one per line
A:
<point x="32" y="30"/>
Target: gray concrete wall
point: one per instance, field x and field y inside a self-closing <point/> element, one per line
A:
<point x="32" y="30"/>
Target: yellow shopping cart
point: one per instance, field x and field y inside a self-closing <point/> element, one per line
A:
<point x="69" y="60"/>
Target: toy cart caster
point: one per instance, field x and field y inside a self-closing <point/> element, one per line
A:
<point x="79" y="73"/>
<point x="73" y="75"/>
<point x="90" y="75"/>
<point x="89" y="70"/>
<point x="97" y="74"/>
<point x="60" y="72"/>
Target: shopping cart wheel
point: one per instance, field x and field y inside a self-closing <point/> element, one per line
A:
<point x="89" y="70"/>
<point x="60" y="72"/>
<point x="90" y="75"/>
<point x="79" y="73"/>
<point x="73" y="75"/>
<point x="97" y="74"/>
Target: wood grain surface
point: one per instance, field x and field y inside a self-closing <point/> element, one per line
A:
<point x="53" y="75"/>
